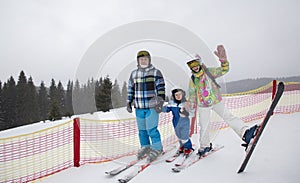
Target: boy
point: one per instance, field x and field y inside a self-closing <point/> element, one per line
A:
<point x="181" y="121"/>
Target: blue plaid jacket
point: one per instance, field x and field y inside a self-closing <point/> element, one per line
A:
<point x="146" y="86"/>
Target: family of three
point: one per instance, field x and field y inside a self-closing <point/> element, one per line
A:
<point x="146" y="92"/>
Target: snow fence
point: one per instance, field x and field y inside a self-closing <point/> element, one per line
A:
<point x="31" y="156"/>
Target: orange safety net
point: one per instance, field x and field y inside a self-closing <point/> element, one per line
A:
<point x="35" y="155"/>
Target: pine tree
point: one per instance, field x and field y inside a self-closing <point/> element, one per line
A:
<point x="76" y="99"/>
<point x="9" y="103"/>
<point x="69" y="105"/>
<point x="32" y="103"/>
<point x="2" y="124"/>
<point x="53" y="90"/>
<point x="124" y="94"/>
<point x="98" y="88"/>
<point x="97" y="91"/>
<point x="104" y="96"/>
<point x="21" y="96"/>
<point x="43" y="102"/>
<point x="61" y="98"/>
<point x="54" y="109"/>
<point x="116" y="97"/>
<point x="89" y="96"/>
<point x="54" y="113"/>
<point x="91" y="99"/>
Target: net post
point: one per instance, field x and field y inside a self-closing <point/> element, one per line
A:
<point x="193" y="126"/>
<point x="274" y="88"/>
<point x="76" y="141"/>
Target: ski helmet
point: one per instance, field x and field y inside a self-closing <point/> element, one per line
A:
<point x="195" y="61"/>
<point x="143" y="53"/>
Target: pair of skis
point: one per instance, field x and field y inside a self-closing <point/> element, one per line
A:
<point x="179" y="166"/>
<point x="133" y="173"/>
<point x="192" y="161"/>
<point x="141" y="167"/>
<point x="122" y="168"/>
<point x="253" y="143"/>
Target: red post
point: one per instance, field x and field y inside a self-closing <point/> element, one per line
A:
<point x="76" y="141"/>
<point x="193" y="126"/>
<point x="274" y="88"/>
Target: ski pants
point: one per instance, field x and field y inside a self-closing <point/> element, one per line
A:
<point x="182" y="131"/>
<point x="204" y="114"/>
<point x="147" y="122"/>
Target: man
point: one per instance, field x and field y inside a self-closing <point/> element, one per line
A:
<point x="146" y="87"/>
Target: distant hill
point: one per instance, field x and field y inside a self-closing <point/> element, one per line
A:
<point x="250" y="84"/>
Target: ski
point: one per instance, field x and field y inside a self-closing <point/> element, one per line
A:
<point x="190" y="161"/>
<point x="122" y="167"/>
<point x="175" y="156"/>
<point x="142" y="167"/>
<point x="132" y="174"/>
<point x="252" y="144"/>
<point x="183" y="160"/>
<point x="172" y="158"/>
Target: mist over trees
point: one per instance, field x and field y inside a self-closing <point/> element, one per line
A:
<point x="22" y="103"/>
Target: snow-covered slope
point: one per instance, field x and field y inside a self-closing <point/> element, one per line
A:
<point x="276" y="159"/>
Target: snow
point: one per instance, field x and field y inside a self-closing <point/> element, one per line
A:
<point x="275" y="159"/>
<point x="114" y="114"/>
<point x="26" y="129"/>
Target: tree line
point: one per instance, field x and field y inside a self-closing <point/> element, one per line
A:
<point x="22" y="103"/>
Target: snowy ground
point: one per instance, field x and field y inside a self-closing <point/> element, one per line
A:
<point x="276" y="159"/>
<point x="114" y="114"/>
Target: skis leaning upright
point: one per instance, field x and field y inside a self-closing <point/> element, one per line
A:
<point x="252" y="144"/>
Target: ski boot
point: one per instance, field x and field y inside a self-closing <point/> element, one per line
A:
<point x="143" y="152"/>
<point x="204" y="150"/>
<point x="180" y="151"/>
<point x="249" y="135"/>
<point x="153" y="154"/>
<point x="188" y="152"/>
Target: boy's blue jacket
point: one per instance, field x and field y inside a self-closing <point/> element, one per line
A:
<point x="175" y="109"/>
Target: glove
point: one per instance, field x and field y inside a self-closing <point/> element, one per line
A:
<point x="184" y="112"/>
<point x="221" y="53"/>
<point x="129" y="108"/>
<point x="158" y="107"/>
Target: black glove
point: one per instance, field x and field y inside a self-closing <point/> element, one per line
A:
<point x="184" y="112"/>
<point x="158" y="107"/>
<point x="129" y="108"/>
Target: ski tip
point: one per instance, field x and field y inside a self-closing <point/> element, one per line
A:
<point x="176" y="170"/>
<point x="169" y="161"/>
<point x="240" y="171"/>
<point x="122" y="180"/>
<point x="281" y="85"/>
<point x="108" y="173"/>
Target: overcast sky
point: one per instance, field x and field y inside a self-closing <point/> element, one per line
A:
<point x="48" y="38"/>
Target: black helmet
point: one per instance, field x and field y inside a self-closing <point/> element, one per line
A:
<point x="143" y="53"/>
